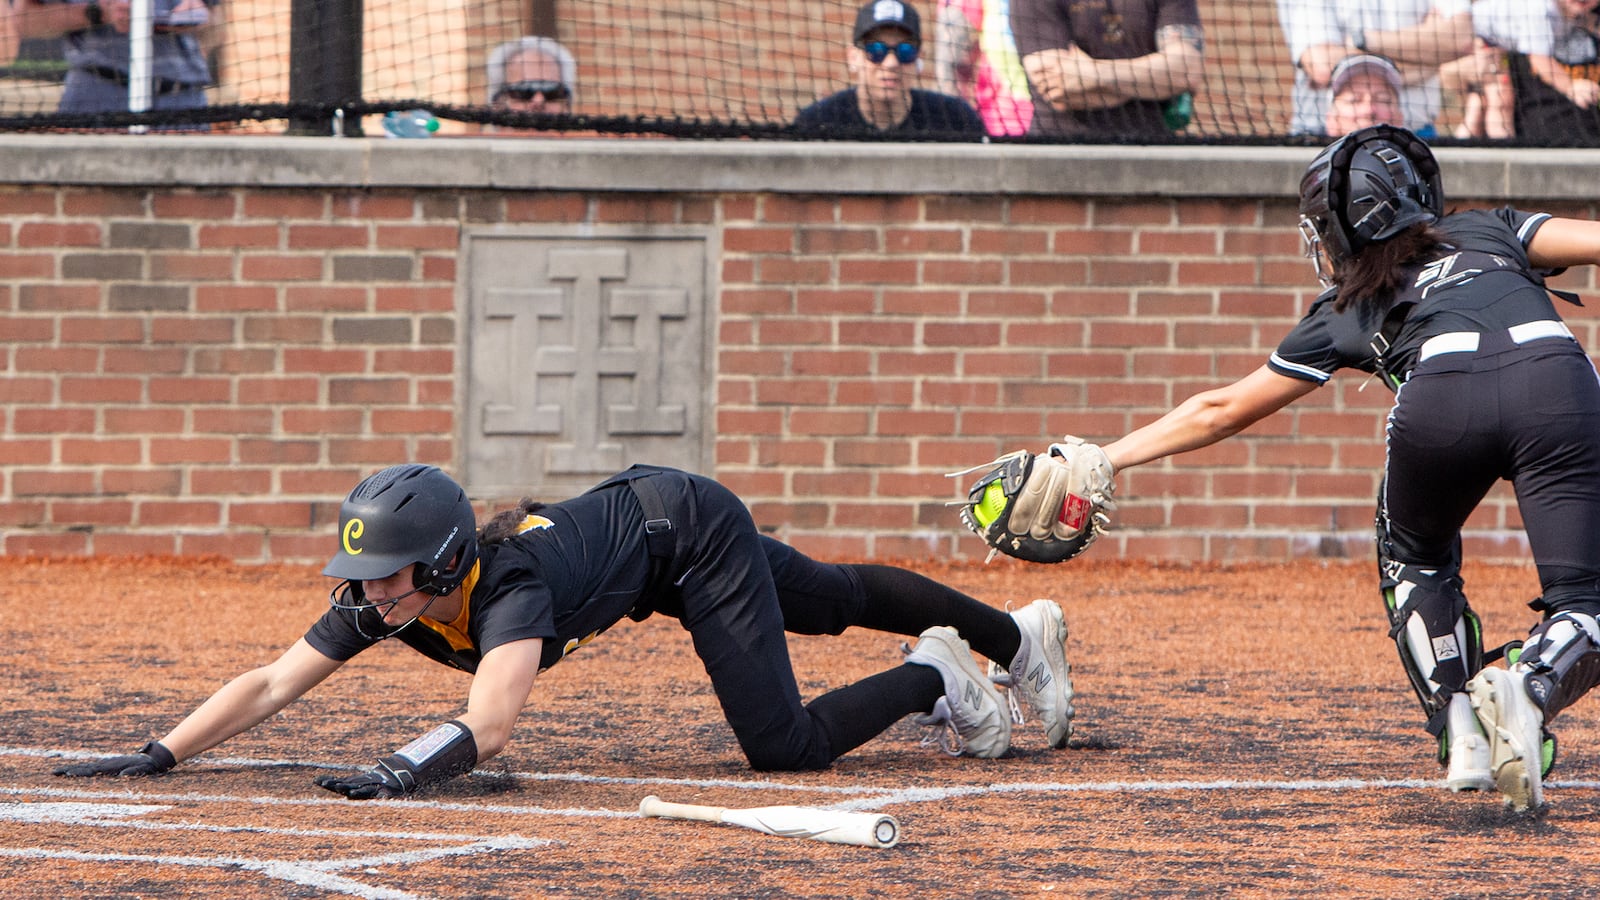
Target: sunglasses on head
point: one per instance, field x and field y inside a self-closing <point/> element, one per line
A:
<point x="878" y="51"/>
<point x="523" y="91"/>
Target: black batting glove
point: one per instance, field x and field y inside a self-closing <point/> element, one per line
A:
<point x="378" y="782"/>
<point x="152" y="759"/>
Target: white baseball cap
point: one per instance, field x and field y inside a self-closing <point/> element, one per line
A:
<point x="1351" y="66"/>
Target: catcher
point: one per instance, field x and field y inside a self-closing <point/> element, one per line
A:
<point x="539" y="581"/>
<point x="1451" y="312"/>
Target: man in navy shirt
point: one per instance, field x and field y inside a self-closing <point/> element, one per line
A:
<point x="883" y="59"/>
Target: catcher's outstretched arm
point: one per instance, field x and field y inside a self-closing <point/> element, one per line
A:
<point x="1565" y="242"/>
<point x="1208" y="417"/>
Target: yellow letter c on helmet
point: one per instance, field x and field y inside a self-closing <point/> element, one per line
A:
<point x="352" y="532"/>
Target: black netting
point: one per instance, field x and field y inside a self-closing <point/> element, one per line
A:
<point x="1187" y="71"/>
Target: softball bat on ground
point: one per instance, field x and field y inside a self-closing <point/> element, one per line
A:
<point x="861" y="829"/>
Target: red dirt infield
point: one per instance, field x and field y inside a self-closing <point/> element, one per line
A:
<point x="1242" y="731"/>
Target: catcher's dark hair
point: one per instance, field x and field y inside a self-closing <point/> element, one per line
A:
<point x="505" y="524"/>
<point x="1372" y="277"/>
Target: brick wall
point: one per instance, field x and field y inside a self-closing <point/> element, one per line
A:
<point x="205" y="369"/>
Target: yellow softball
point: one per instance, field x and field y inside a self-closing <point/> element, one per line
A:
<point x="990" y="505"/>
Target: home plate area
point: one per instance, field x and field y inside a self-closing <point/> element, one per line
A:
<point x="85" y="842"/>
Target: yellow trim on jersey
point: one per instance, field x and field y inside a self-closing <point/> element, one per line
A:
<point x="531" y="521"/>
<point x="456" y="632"/>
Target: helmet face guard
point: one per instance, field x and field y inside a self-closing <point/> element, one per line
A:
<point x="404" y="516"/>
<point x="350" y="596"/>
<point x="1366" y="187"/>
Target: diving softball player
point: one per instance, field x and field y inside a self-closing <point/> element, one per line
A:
<point x="1452" y="313"/>
<point x="540" y="581"/>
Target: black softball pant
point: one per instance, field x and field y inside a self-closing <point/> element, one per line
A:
<point x="737" y="592"/>
<point x="1530" y="415"/>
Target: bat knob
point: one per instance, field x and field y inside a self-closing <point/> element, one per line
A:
<point x="887" y="832"/>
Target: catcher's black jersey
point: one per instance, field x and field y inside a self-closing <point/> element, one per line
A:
<point x="1483" y="282"/>
<point x="577" y="568"/>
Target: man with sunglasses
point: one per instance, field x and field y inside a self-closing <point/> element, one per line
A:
<point x="532" y="75"/>
<point x="884" y="61"/>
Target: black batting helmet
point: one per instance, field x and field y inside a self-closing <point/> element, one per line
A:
<point x="407" y="515"/>
<point x="1366" y="187"/>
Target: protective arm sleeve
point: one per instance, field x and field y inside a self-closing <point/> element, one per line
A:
<point x="439" y="755"/>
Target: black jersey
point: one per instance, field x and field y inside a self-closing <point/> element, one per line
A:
<point x="931" y="113"/>
<point x="577" y="568"/>
<point x="1482" y="282"/>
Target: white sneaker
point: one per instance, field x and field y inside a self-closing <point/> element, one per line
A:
<point x="971" y="718"/>
<point x="1515" y="729"/>
<point x="1040" y="672"/>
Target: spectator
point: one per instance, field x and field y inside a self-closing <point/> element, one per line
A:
<point x="532" y="75"/>
<point x="977" y="60"/>
<point x="1521" y="80"/>
<point x="1417" y="35"/>
<point x="95" y="45"/>
<point x="883" y="61"/>
<point x="1482" y="79"/>
<point x="1366" y="91"/>
<point x="1110" y="69"/>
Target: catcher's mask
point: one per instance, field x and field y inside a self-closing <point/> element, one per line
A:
<point x="406" y="515"/>
<point x="1366" y="187"/>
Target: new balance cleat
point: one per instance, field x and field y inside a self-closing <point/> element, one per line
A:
<point x="971" y="718"/>
<point x="1514" y="725"/>
<point x="1039" y="673"/>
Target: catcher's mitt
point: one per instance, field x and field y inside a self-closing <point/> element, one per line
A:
<point x="1041" y="508"/>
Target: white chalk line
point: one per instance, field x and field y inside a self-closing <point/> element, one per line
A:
<point x="860" y="795"/>
<point x="319" y="874"/>
<point x="316" y="874"/>
<point x="100" y="815"/>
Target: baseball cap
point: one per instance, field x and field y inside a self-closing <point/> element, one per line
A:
<point x="879" y="13"/>
<point x="1351" y="66"/>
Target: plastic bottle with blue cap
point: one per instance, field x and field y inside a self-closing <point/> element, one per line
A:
<point x="409" y="123"/>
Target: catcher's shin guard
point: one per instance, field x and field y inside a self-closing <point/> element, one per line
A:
<point x="1562" y="660"/>
<point x="1438" y="635"/>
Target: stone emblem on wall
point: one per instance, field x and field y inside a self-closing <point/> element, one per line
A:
<point x="586" y="355"/>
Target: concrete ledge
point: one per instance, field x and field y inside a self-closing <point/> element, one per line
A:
<point x="648" y="165"/>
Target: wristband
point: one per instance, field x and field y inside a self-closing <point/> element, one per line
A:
<point x="160" y="755"/>
<point x="443" y="753"/>
<point x="1358" y="39"/>
<point x="96" y="16"/>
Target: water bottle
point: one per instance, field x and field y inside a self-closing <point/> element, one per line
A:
<point x="409" y="123"/>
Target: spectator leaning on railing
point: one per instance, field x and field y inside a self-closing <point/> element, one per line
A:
<point x="1417" y="35"/>
<point x="1114" y="68"/>
<point x="97" y="50"/>
<point x="1533" y="75"/>
<point x="1366" y="91"/>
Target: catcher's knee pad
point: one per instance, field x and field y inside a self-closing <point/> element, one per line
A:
<point x="1562" y="658"/>
<point x="1438" y="635"/>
